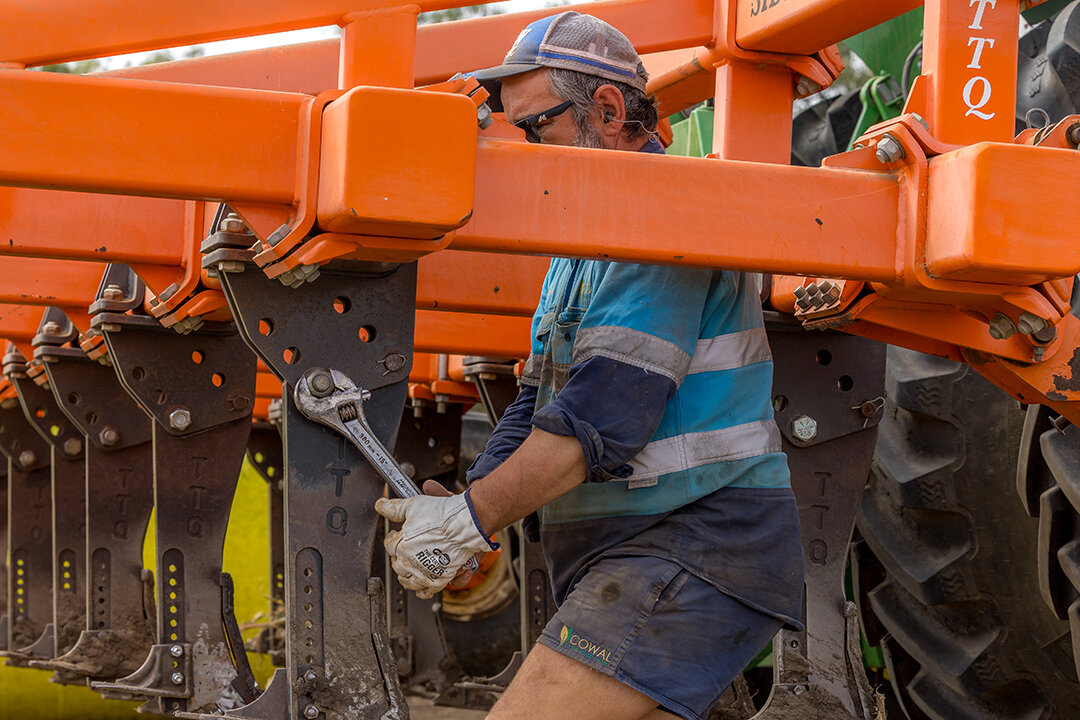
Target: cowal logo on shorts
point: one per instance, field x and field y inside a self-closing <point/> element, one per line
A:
<point x="568" y="636"/>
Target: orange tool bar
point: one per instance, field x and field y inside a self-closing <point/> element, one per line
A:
<point x="48" y="282"/>
<point x="802" y="27"/>
<point x="131" y="230"/>
<point x="758" y="217"/>
<point x="240" y="145"/>
<point x="52" y="31"/>
<point x="151" y="139"/>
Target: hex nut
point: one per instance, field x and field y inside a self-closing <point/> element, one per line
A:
<point x="113" y="292"/>
<point x="51" y="328"/>
<point x="108" y="436"/>
<point x="177" y="678"/>
<point x="311" y="676"/>
<point x="322" y="384"/>
<point x="180" y="419"/>
<point x="311" y="712"/>
<point x="176" y="651"/>
<point x="1001" y="327"/>
<point x="889" y="150"/>
<point x="233" y="223"/>
<point x="804" y="428"/>
<point x="27" y="458"/>
<point x="73" y="446"/>
<point x="408" y="468"/>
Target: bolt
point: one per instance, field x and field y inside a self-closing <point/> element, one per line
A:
<point x="448" y="459"/>
<point x="1060" y="423"/>
<point x="232" y="223"/>
<point x="889" y="150"/>
<point x="27" y="458"/>
<point x="311" y="676"/>
<point x="1030" y="324"/>
<point x="180" y="419"/>
<point x="176" y="651"/>
<point x="311" y="712"/>
<point x="868" y="409"/>
<point x="113" y="292"/>
<point x="321" y="383"/>
<point x="803" y="303"/>
<point x="1037" y="352"/>
<point x="804" y="428"/>
<point x="51" y="328"/>
<point x="108" y="436"/>
<point x="72" y="446"/>
<point x="409" y="469"/>
<point x="807" y="87"/>
<point x="800" y="292"/>
<point x="1001" y="327"/>
<point x="393" y="362"/>
<point x="483" y="116"/>
<point x="800" y="689"/>
<point x="177" y="678"/>
<point x="1073" y="135"/>
<point x="833" y="295"/>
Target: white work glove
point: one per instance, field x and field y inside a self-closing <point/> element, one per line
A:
<point x="438" y="536"/>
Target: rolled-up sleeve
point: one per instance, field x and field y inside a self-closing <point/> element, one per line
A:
<point x="513" y="427"/>
<point x="631" y="352"/>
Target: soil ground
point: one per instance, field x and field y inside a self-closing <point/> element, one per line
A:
<point x="422" y="709"/>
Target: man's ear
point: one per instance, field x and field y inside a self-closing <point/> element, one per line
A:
<point x="612" y="112"/>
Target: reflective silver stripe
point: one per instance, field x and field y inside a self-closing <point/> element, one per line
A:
<point x="682" y="452"/>
<point x="727" y="352"/>
<point x="632" y="347"/>
<point x="531" y="374"/>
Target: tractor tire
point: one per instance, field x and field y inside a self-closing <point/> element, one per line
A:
<point x="948" y="577"/>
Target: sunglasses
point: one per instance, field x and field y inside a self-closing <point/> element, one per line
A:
<point x="530" y="123"/>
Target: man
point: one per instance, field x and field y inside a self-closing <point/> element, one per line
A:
<point x="642" y="444"/>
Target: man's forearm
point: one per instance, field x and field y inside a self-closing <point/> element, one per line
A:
<point x="545" y="467"/>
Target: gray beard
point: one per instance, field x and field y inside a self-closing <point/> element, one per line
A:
<point x="588" y="137"/>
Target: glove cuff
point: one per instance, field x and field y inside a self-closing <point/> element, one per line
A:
<point x="476" y="522"/>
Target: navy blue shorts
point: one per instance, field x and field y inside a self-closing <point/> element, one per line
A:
<point x="656" y="627"/>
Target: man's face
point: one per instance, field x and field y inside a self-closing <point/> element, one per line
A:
<point x="530" y="93"/>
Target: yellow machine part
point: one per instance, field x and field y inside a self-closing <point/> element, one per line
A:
<point x="27" y="693"/>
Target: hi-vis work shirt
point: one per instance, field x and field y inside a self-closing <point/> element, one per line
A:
<point x="664" y="376"/>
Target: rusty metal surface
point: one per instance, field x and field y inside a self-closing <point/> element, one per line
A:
<point x="119" y="479"/>
<point x="196" y="467"/>
<point x="68" y="514"/>
<point x="819" y="673"/>
<point x="339" y="664"/>
<point x="29" y="529"/>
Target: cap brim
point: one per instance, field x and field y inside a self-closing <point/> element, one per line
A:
<point x="491" y="78"/>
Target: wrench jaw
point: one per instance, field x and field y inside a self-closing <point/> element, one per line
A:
<point x="320" y="403"/>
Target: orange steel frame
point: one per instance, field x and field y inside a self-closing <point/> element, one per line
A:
<point x="927" y="247"/>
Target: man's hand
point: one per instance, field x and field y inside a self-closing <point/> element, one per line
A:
<point x="464" y="575"/>
<point x="438" y="535"/>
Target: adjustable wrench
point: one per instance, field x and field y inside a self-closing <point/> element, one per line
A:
<point x="330" y="398"/>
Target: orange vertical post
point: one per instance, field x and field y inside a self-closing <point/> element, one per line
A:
<point x="969" y="58"/>
<point x="753" y="112"/>
<point x="378" y="47"/>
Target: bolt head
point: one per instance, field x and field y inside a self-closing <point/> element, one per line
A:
<point x="73" y="446"/>
<point x="311" y="712"/>
<point x="311" y="676"/>
<point x="804" y="428"/>
<point x="448" y="459"/>
<point x="889" y="150"/>
<point x="233" y="223"/>
<point x="321" y="383"/>
<point x="180" y="419"/>
<point x="51" y="328"/>
<point x="409" y="469"/>
<point x="113" y="292"/>
<point x="27" y="458"/>
<point x="394" y="362"/>
<point x="177" y="678"/>
<point x="108" y="436"/>
<point x="176" y="651"/>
